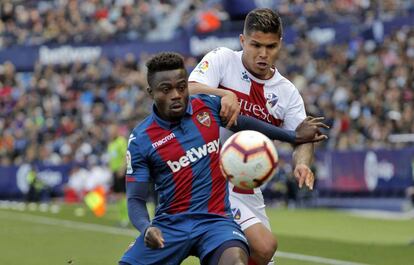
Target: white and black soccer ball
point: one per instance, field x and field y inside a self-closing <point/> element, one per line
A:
<point x="248" y="159"/>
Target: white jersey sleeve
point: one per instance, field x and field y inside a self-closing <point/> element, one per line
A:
<point x="295" y="111"/>
<point x="210" y="71"/>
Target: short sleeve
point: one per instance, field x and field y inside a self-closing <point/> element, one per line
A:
<point x="295" y="112"/>
<point x="137" y="165"/>
<point x="210" y="70"/>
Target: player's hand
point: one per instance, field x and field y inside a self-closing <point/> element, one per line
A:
<point x="304" y="175"/>
<point x="230" y="109"/>
<point x="153" y="238"/>
<point x="309" y="130"/>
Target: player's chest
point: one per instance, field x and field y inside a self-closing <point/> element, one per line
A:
<point x="186" y="144"/>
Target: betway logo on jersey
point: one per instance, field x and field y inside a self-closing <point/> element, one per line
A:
<point x="255" y="110"/>
<point x="163" y="140"/>
<point x="193" y="155"/>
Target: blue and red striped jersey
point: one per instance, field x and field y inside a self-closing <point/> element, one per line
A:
<point x="182" y="159"/>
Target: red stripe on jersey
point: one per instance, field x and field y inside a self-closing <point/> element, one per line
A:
<point x="216" y="203"/>
<point x="254" y="104"/>
<point x="172" y="150"/>
<point x="129" y="179"/>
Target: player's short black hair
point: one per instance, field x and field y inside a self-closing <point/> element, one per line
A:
<point x="263" y="19"/>
<point x="163" y="61"/>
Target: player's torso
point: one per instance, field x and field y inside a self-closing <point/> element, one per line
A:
<point x="184" y="160"/>
<point x="253" y="93"/>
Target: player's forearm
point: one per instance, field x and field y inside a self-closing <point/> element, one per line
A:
<point x="303" y="154"/>
<point x="271" y="131"/>
<point x="138" y="214"/>
<point x="137" y="194"/>
<point x="199" y="88"/>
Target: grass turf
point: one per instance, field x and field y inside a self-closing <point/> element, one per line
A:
<point x="31" y="236"/>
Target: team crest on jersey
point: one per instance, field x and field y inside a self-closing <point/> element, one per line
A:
<point x="245" y="77"/>
<point x="202" y="67"/>
<point x="272" y="99"/>
<point x="236" y="213"/>
<point x="204" y="118"/>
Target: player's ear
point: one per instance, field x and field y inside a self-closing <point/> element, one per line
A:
<point x="241" y="38"/>
<point x="149" y="90"/>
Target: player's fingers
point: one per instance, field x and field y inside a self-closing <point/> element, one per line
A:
<point x="317" y="119"/>
<point x="233" y="119"/>
<point x="320" y="125"/>
<point x="160" y="241"/>
<point x="319" y="138"/>
<point x="299" y="178"/>
<point x="224" y="112"/>
<point x="309" y="180"/>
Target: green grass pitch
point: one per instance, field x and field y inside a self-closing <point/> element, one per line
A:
<point x="37" y="236"/>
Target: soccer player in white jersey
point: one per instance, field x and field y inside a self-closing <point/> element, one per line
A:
<point x="248" y="82"/>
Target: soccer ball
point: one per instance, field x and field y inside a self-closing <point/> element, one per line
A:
<point x="248" y="159"/>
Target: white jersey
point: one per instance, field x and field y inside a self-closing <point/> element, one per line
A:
<point x="275" y="100"/>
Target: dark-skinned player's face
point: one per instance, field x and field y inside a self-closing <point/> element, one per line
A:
<point x="169" y="90"/>
<point x="260" y="51"/>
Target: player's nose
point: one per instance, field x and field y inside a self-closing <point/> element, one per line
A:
<point x="175" y="94"/>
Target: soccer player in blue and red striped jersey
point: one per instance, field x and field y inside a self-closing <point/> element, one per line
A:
<point x="177" y="148"/>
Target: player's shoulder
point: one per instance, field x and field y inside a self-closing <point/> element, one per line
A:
<point x="210" y="100"/>
<point x="138" y="134"/>
<point x="223" y="52"/>
<point x="205" y="98"/>
<point x="282" y="82"/>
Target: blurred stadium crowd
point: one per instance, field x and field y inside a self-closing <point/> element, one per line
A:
<point x="34" y="22"/>
<point x="62" y="113"/>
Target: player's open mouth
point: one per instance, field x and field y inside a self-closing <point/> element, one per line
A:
<point x="261" y="65"/>
<point x="176" y="107"/>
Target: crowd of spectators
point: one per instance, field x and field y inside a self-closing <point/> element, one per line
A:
<point x="62" y="21"/>
<point x="35" y="22"/>
<point x="364" y="89"/>
<point x="62" y="113"/>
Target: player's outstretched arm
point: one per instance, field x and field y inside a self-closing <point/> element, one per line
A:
<point x="307" y="131"/>
<point x="230" y="107"/>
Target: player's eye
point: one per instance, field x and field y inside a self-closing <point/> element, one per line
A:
<point x="181" y="86"/>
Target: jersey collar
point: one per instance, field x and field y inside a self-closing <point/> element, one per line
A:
<point x="166" y="124"/>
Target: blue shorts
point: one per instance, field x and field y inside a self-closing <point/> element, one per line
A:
<point x="184" y="235"/>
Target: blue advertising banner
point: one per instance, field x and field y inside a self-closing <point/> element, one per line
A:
<point x="14" y="181"/>
<point x="382" y="171"/>
<point x="386" y="172"/>
<point x="24" y="57"/>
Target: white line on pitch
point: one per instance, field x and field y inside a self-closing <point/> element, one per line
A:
<point x="131" y="232"/>
<point x="320" y="260"/>
<point x="68" y="223"/>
